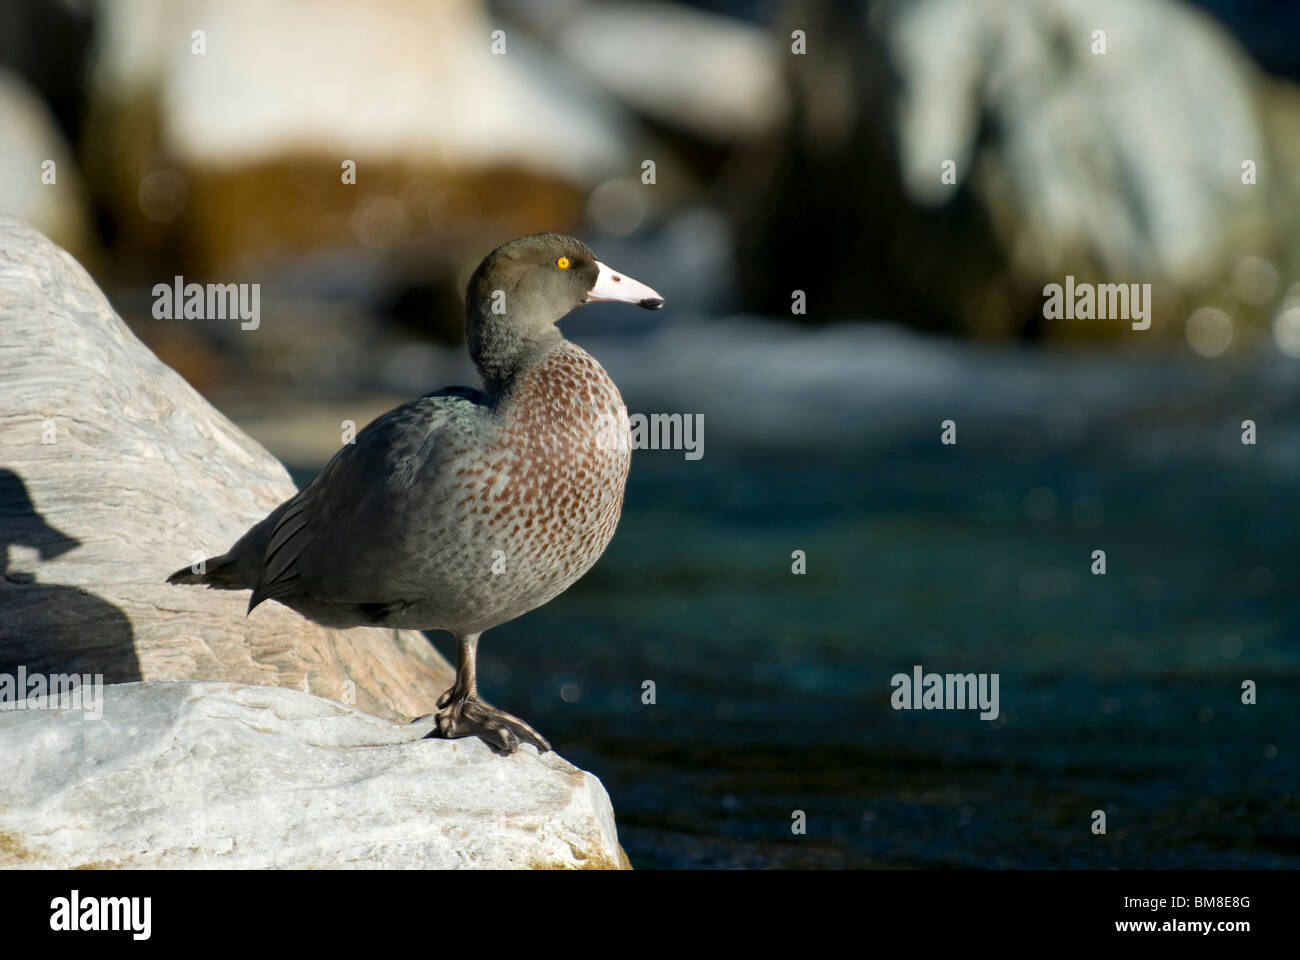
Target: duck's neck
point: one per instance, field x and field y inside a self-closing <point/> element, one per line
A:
<point x="502" y="349"/>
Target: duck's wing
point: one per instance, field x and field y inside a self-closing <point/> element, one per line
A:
<point x="337" y="539"/>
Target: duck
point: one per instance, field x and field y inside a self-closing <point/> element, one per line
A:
<point x="470" y="506"/>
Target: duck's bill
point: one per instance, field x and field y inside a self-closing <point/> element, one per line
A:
<point x="614" y="287"/>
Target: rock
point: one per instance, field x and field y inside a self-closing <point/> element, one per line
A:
<point x="715" y="76"/>
<point x="115" y="472"/>
<point x="237" y="155"/>
<point x="1117" y="167"/>
<point x="239" y="777"/>
<point x="422" y="82"/>
<point x="1134" y="154"/>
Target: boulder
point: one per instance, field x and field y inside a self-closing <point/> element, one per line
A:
<point x="447" y="115"/>
<point x="216" y="775"/>
<point x="113" y="473"/>
<point x="1127" y="146"/>
<point x="427" y="83"/>
<point x="967" y="154"/>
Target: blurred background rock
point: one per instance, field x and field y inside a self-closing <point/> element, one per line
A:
<point x="774" y="172"/>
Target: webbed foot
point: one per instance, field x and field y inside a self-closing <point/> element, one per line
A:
<point x="467" y="716"/>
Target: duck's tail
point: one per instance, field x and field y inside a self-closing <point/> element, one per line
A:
<point x="219" y="573"/>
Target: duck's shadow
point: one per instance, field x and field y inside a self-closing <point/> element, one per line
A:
<point x="47" y="627"/>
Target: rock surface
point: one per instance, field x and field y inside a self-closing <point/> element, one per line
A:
<point x="214" y="775"/>
<point x="113" y="473"/>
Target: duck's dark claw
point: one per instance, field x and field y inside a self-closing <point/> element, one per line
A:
<point x="471" y="717"/>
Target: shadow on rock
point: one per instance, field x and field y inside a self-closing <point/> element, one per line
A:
<point x="47" y="627"/>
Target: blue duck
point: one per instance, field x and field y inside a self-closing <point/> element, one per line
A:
<point x="466" y="508"/>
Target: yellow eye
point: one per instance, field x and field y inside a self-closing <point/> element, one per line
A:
<point x="562" y="263"/>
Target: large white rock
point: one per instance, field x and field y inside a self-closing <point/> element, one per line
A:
<point x="215" y="775"/>
<point x="113" y="473"/>
<point x="420" y="83"/>
<point x="1133" y="155"/>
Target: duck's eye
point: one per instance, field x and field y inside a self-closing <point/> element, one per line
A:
<point x="562" y="263"/>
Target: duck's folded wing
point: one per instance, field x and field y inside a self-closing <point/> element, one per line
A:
<point x="339" y="539"/>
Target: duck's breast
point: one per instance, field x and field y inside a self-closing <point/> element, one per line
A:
<point x="543" y="501"/>
<point x="566" y="430"/>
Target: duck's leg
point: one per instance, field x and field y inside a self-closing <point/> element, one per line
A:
<point x="462" y="714"/>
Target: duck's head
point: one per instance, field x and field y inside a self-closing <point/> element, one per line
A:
<point x="547" y="275"/>
<point x="522" y="289"/>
